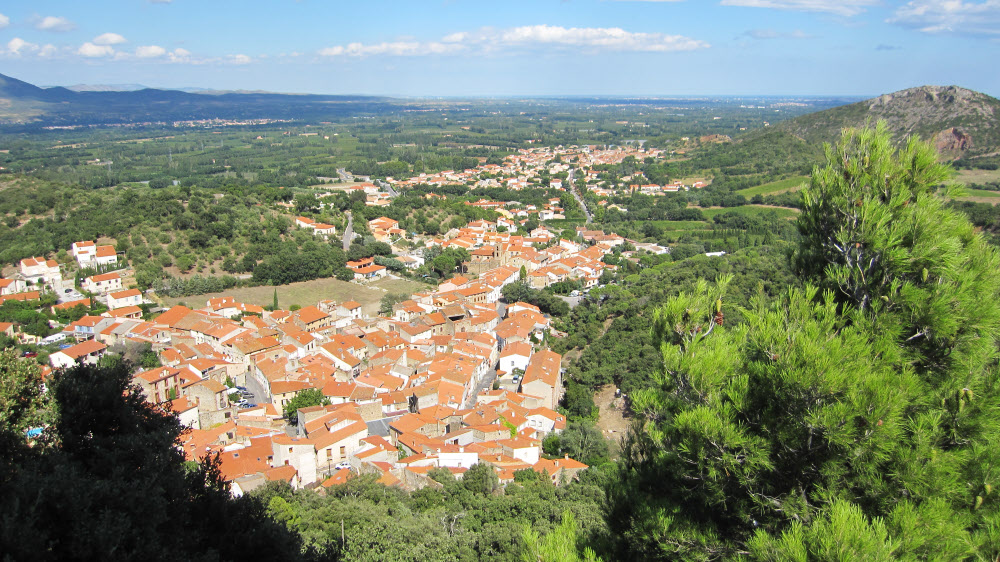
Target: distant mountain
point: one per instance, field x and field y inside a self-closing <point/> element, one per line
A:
<point x="26" y="105"/>
<point x="106" y="87"/>
<point x="961" y="122"/>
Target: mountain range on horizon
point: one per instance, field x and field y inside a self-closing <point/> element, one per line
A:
<point x="961" y="122"/>
<point x="24" y="104"/>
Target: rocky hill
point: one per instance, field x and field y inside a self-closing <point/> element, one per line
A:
<point x="963" y="123"/>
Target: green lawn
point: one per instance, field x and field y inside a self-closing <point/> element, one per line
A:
<point x="790" y="184"/>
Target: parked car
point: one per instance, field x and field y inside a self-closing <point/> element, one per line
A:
<point x="342" y="465"/>
<point x="29" y="354"/>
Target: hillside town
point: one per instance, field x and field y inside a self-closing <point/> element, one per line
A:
<point x="453" y="377"/>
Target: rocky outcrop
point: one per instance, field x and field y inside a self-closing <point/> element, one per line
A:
<point x="953" y="142"/>
<point x="962" y="123"/>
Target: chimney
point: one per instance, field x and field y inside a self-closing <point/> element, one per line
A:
<point x="566" y="456"/>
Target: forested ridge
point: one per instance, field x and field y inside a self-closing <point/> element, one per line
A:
<point x="823" y="393"/>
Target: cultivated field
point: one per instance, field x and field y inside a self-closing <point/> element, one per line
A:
<point x="783" y="212"/>
<point x="977" y="176"/>
<point x="780" y="186"/>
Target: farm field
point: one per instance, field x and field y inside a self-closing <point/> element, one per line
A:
<point x="977" y="176"/>
<point x="970" y="193"/>
<point x="681" y="225"/>
<point x="783" y="212"/>
<point x="780" y="186"/>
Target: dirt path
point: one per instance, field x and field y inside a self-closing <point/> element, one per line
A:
<point x="612" y="421"/>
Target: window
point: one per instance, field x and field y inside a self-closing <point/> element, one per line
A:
<point x="343" y="451"/>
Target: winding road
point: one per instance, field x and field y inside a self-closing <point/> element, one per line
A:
<point x="349" y="231"/>
<point x="576" y="193"/>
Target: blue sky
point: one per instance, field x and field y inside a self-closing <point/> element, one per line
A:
<point x="508" y="48"/>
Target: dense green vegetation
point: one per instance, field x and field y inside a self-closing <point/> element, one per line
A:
<point x="105" y="478"/>
<point x="458" y="520"/>
<point x="849" y="418"/>
<point x="826" y="390"/>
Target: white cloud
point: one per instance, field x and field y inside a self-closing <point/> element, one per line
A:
<point x="609" y="38"/>
<point x="4" y="21"/>
<point x="18" y="46"/>
<point x="397" y="48"/>
<point x="109" y="39"/>
<point x="150" y="51"/>
<point x="91" y="50"/>
<point x="488" y="39"/>
<point x="54" y="23"/>
<point x="179" y="55"/>
<point x="240" y="59"/>
<point x="950" y="16"/>
<point x="837" y="7"/>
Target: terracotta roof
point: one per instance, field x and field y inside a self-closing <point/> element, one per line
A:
<point x="85" y="348"/>
<point x="104" y="277"/>
<point x="126" y="293"/>
<point x="284" y="387"/>
<point x="310" y="314"/>
<point x="543" y="366"/>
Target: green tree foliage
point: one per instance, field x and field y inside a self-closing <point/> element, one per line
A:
<point x="445" y="522"/>
<point x="851" y="422"/>
<point x="866" y="218"/>
<point x="546" y="302"/>
<point x="305" y="399"/>
<point x="480" y="479"/>
<point x="25" y="314"/>
<point x="561" y="545"/>
<point x="579" y="401"/>
<point x="23" y="406"/>
<point x="109" y="481"/>
<point x="582" y="441"/>
<point x="390" y="300"/>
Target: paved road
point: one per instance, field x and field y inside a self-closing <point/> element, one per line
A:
<point x="259" y="395"/>
<point x="387" y="187"/>
<point x="349" y="231"/>
<point x="576" y="193"/>
<point x="484" y="385"/>
<point x="344" y="175"/>
<point x="571" y="301"/>
<point x="73" y="295"/>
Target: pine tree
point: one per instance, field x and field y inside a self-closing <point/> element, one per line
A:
<point x="852" y="419"/>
